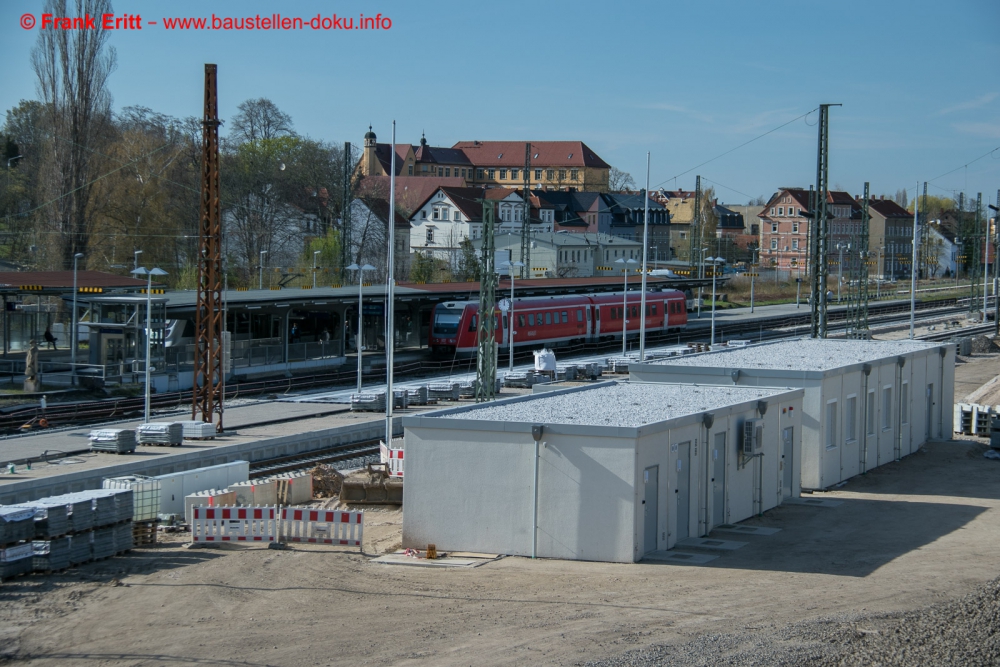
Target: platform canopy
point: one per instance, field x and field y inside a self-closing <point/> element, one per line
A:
<point x="60" y="282"/>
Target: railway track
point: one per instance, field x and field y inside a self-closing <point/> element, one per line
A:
<point x="337" y="454"/>
<point x="765" y="328"/>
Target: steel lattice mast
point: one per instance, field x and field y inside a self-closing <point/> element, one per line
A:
<point x="975" y="254"/>
<point x="820" y="226"/>
<point x="345" y="216"/>
<point x="857" y="305"/>
<point x="486" y="359"/>
<point x="207" y="394"/>
<point x="526" y="224"/>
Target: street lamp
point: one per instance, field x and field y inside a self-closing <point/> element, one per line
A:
<point x="625" y="264"/>
<point x="262" y="253"/>
<point x="510" y="314"/>
<point x="753" y="270"/>
<point x="77" y="257"/>
<point x="315" y="253"/>
<point x="361" y="272"/>
<point x="141" y="271"/>
<point x="840" y="269"/>
<point x="135" y="261"/>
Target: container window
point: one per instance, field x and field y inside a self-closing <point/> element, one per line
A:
<point x="904" y="407"/>
<point x="886" y="408"/>
<point x="871" y="412"/>
<point x="851" y="419"/>
<point x="831" y="424"/>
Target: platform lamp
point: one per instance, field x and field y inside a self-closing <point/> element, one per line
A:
<point x="510" y="313"/>
<point x="714" y="261"/>
<point x="315" y="253"/>
<point x="72" y="346"/>
<point x="625" y="265"/>
<point x="262" y="253"/>
<point x="141" y="271"/>
<point x="361" y="272"/>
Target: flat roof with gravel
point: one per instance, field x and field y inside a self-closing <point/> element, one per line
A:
<point x="803" y="354"/>
<point x="625" y="404"/>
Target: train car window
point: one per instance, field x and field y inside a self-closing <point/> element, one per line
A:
<point x="548" y="318"/>
<point x="597" y="314"/>
<point x="520" y="320"/>
<point x="565" y="317"/>
<point x="635" y="311"/>
<point x="654" y="309"/>
<point x="531" y="319"/>
<point x="579" y="316"/>
<point x="472" y="323"/>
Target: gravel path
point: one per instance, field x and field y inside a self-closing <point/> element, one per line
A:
<point x="962" y="632"/>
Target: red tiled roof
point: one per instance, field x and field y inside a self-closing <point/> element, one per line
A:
<point x="384" y="155"/>
<point x="543" y="154"/>
<point x="64" y="279"/>
<point x="888" y="208"/>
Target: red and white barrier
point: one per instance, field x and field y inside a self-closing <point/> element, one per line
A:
<point x="303" y="524"/>
<point x="394" y="457"/>
<point x="234" y="524"/>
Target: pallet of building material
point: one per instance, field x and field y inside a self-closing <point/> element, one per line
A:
<point x="51" y="519"/>
<point x="593" y="370"/>
<point x="209" y="498"/>
<point x="124" y="539"/>
<point x="197" y="430"/>
<point x="619" y="364"/>
<point x="448" y="391"/>
<point x="293" y="488"/>
<point x="418" y="396"/>
<point x="80" y="548"/>
<point x="467" y="389"/>
<point x="145" y="495"/>
<point x="144" y="533"/>
<point x="114" y="440"/>
<point x="401" y="399"/>
<point x="79" y="509"/>
<point x="103" y="542"/>
<point x="16" y="560"/>
<point x="566" y="372"/>
<point x="16" y="524"/>
<point x="518" y="380"/>
<point x="170" y="434"/>
<point x="50" y="555"/>
<point x="368" y="402"/>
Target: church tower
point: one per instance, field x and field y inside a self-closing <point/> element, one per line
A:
<point x="371" y="163"/>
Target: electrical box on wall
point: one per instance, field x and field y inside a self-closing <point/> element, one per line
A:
<point x="752" y="436"/>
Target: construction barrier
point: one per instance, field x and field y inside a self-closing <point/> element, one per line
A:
<point x="234" y="524"/>
<point x="394" y="457"/>
<point x="303" y="524"/>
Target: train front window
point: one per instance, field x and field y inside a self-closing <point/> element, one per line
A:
<point x="446" y="322"/>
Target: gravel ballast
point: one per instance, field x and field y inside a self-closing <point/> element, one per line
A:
<point x="626" y="404"/>
<point x="961" y="632"/>
<point x="803" y="354"/>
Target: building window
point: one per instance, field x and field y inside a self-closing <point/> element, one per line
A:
<point x="781" y="210"/>
<point x="562" y="174"/>
<point x="886" y="408"/>
<point x="538" y="174"/>
<point x="458" y="217"/>
<point x="795" y="244"/>
<point x="423" y="167"/>
<point x="870" y="411"/>
<point x="479" y="174"/>
<point x="423" y="215"/>
<point x="550" y="174"/>
<point x="514" y="173"/>
<point x="795" y="228"/>
<point x="430" y="235"/>
<point x="774" y="228"/>
<point x="774" y="244"/>
<point x="447" y="171"/>
<point x="409" y="170"/>
<point x="851" y="419"/>
<point x="831" y="424"/>
<point x="574" y="174"/>
<point x="904" y="409"/>
<point x="772" y="210"/>
<point x="683" y="235"/>
<point x="503" y="174"/>
<point x="437" y="214"/>
<point x="492" y="174"/>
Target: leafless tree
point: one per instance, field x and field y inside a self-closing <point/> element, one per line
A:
<point x="259" y="120"/>
<point x="73" y="67"/>
<point x="620" y="181"/>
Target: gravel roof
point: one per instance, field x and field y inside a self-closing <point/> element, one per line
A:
<point x="622" y="404"/>
<point x="803" y="354"/>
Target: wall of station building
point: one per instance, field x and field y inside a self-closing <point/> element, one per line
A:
<point x="888" y="422"/>
<point x="469" y="482"/>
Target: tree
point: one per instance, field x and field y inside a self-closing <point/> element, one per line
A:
<point x="619" y="181"/>
<point x="901" y="198"/>
<point x="260" y="120"/>
<point x="73" y="67"/>
<point x="469" y="265"/>
<point x="424" y="268"/>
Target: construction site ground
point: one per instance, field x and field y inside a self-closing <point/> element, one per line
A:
<point x="919" y="532"/>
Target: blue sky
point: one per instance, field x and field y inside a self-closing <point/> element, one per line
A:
<point x="683" y="80"/>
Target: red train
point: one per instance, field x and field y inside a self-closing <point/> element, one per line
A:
<point x="557" y="320"/>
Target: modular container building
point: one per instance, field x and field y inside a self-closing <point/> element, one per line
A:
<point x="866" y="402"/>
<point x="618" y="469"/>
<point x="177" y="486"/>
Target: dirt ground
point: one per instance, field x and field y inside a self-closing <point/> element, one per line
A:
<point x="908" y="534"/>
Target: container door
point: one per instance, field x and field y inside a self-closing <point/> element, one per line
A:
<point x="929" y="427"/>
<point x="650" y="504"/>
<point x="719" y="480"/>
<point x="682" y="489"/>
<point x="786" y="461"/>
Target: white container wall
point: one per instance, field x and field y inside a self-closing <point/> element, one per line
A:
<point x="176" y="486"/>
<point x="623" y="469"/>
<point x="866" y="403"/>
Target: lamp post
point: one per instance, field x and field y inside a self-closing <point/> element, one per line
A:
<point x="715" y="265"/>
<point x="625" y="264"/>
<point x="753" y="270"/>
<point x="361" y="272"/>
<point x="135" y="260"/>
<point x="262" y="253"/>
<point x="141" y="271"/>
<point x="315" y="253"/>
<point x="77" y="257"/>
<point x="840" y="269"/>
<point x="510" y="314"/>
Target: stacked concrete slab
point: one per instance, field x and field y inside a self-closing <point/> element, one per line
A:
<point x="623" y="468"/>
<point x="866" y="402"/>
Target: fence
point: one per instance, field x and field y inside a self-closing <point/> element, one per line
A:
<point x="302" y="524"/>
<point x="392" y="456"/>
<point x="234" y="524"/>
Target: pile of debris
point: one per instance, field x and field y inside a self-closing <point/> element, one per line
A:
<point x="984" y="345"/>
<point x="327" y="481"/>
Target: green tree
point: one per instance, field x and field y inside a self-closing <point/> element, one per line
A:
<point x="469" y="265"/>
<point x="423" y="269"/>
<point x="329" y="248"/>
